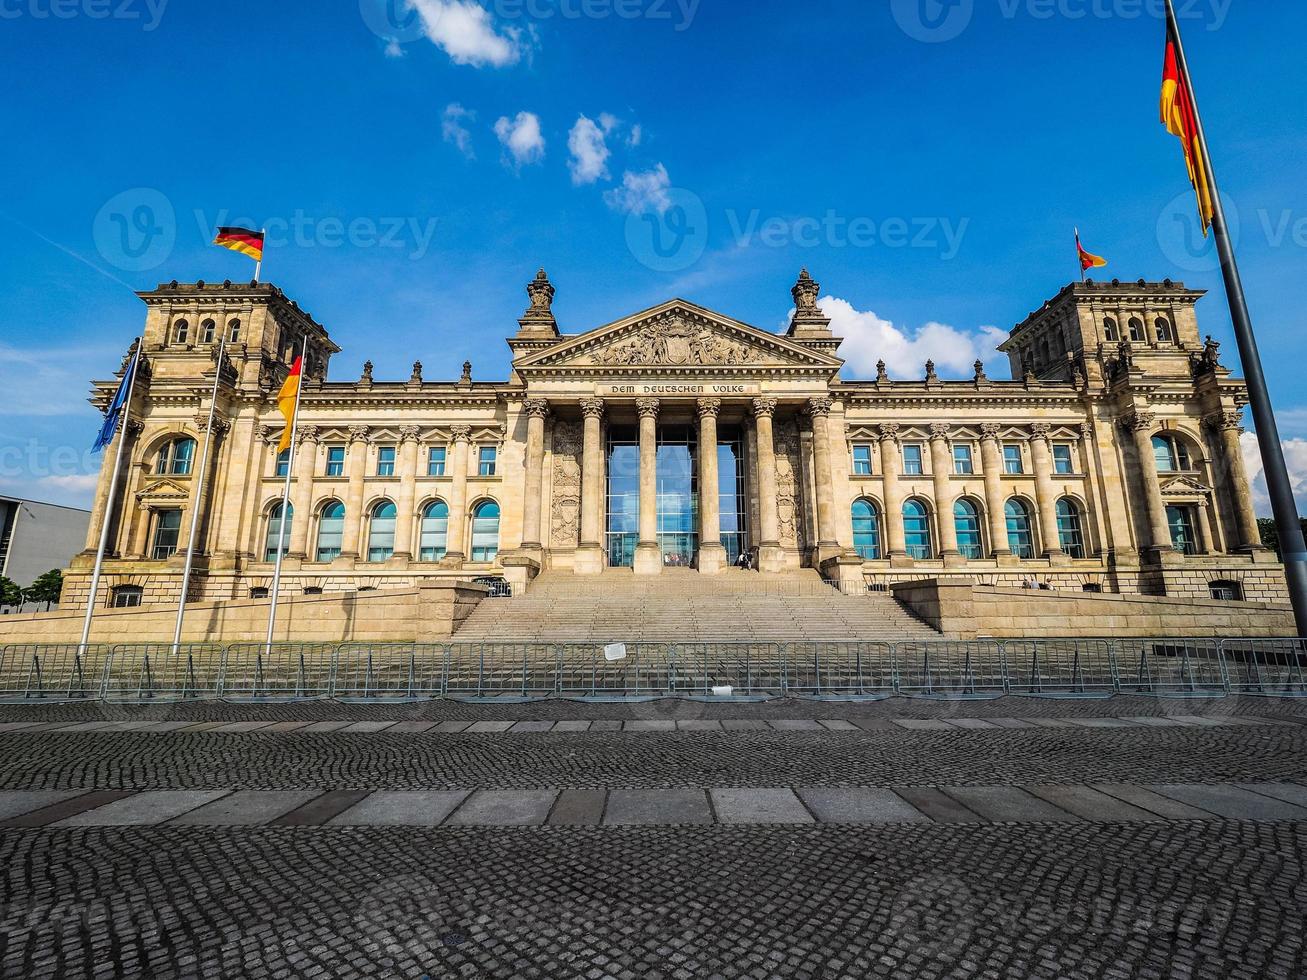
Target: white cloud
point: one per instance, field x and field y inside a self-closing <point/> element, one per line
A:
<point x="869" y="338"/>
<point x="642" y="192"/>
<point x="636" y="135"/>
<point x="586" y="142"/>
<point x="77" y="483"/>
<point x="453" y="130"/>
<point x="394" y="49"/>
<point x="49" y="382"/>
<point x="522" y="138"/>
<point x="466" y="32"/>
<point x="1295" y="458"/>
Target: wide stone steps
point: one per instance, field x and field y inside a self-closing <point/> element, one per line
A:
<point x="682" y="606"/>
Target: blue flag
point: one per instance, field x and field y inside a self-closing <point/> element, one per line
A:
<point x="116" y="406"/>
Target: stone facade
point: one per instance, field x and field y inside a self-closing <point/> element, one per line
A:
<point x="1118" y="440"/>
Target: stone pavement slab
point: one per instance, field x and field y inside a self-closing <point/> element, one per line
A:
<point x="368" y="726"/>
<point x="250" y="726"/>
<point x="455" y="727"/>
<point x="1051" y="722"/>
<point x="78" y="803"/>
<point x="838" y="725"/>
<point x="1231" y="802"/>
<point x="644" y="807"/>
<point x="144" y="809"/>
<point x="327" y="726"/>
<point x="1294" y="793"/>
<point x="489" y="727"/>
<point x="758" y="806"/>
<point x="976" y="724"/>
<point x="924" y="725"/>
<point x="650" y="725"/>
<point x="505" y="808"/>
<point x="1146" y="799"/>
<point x="1011" y="723"/>
<point x="320" y="809"/>
<point x="937" y="805"/>
<point x="698" y="725"/>
<point x="744" y="725"/>
<point x="1003" y="804"/>
<point x="13" y="804"/>
<point x="411" y="727"/>
<point x="578" y="808"/>
<point x="1103" y="722"/>
<point x="401" y="808"/>
<point x="1154" y="722"/>
<point x="563" y="727"/>
<point x="246" y="808"/>
<point x="795" y="725"/>
<point x="1090" y="804"/>
<point x="532" y="727"/>
<point x="862" y="805"/>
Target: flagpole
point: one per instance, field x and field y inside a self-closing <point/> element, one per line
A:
<point x="258" y="264"/>
<point x="1285" y="508"/>
<point x="285" y="497"/>
<point x="200" y="475"/>
<point x="1079" y="261"/>
<point x="135" y="368"/>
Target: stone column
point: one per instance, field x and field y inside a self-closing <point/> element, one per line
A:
<point x="648" y="554"/>
<point x="891" y="462"/>
<point x="712" y="554"/>
<point x="941" y="470"/>
<point x="771" y="558"/>
<point x="1140" y="425"/>
<point x="454" y="553"/>
<point x="537" y="411"/>
<point x="1230" y="427"/>
<point x="991" y="461"/>
<point x="1041" y="455"/>
<point x="301" y="501"/>
<point x="827" y="543"/>
<point x="201" y="489"/>
<point x="406" y="500"/>
<point x="1207" y="544"/>
<point x="360" y="437"/>
<point x="590" y="556"/>
<point x="1093" y="531"/>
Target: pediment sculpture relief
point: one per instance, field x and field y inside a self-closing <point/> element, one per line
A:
<point x="676" y="341"/>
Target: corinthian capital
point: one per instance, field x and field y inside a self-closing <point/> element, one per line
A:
<point x="764" y="407"/>
<point x="461" y="433"/>
<point x="536" y="408"/>
<point x="409" y="433"/>
<point x="709" y="407"/>
<point x="889" y="431"/>
<point x="940" y="430"/>
<point x="1139" y="421"/>
<point x="592" y="408"/>
<point x="647" y="407"/>
<point x="990" y="431"/>
<point x="360" y="433"/>
<point x="309" y="434"/>
<point x="1040" y="431"/>
<point x="819" y="406"/>
<point x="1225" y="421"/>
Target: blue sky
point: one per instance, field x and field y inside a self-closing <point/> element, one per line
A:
<point x="417" y="165"/>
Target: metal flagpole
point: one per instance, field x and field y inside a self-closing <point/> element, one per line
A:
<point x="285" y="497"/>
<point x="1079" y="261"/>
<point x="199" y="490"/>
<point x="1285" y="509"/>
<point x="258" y="265"/>
<point x="135" y="368"/>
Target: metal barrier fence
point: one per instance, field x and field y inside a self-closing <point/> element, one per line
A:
<point x="143" y="673"/>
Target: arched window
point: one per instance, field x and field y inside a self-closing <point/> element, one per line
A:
<point x="485" y="531"/>
<point x="916" y="530"/>
<point x="435" y="531"/>
<point x="176" y="458"/>
<point x="1137" y="331"/>
<point x="1172" y="454"/>
<point x="331" y="531"/>
<point x="1163" y="326"/>
<point x="381" y="533"/>
<point x="1111" y="332"/>
<point x="1070" y="530"/>
<point x="207" y="330"/>
<point x="275" y="538"/>
<point x="233" y="331"/>
<point x="966" y="518"/>
<point x="181" y="332"/>
<point x="866" y="529"/>
<point x="1020" y="532"/>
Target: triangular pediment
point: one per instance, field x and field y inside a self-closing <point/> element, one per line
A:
<point x="164" y="491"/>
<point x="678" y="335"/>
<point x="1183" y="486"/>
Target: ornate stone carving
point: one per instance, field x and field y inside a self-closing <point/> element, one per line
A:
<point x="592" y="408"/>
<point x="882" y="374"/>
<point x="1087" y="431"/>
<point x="709" y="407"/>
<point x="541" y="291"/>
<point x="565" y="513"/>
<point x="647" y="407"/>
<point x="461" y="433"/>
<point x="764" y="407"/>
<point x="979" y="368"/>
<point x="805" y="293"/>
<point x="466" y="378"/>
<point x="890" y="431"/>
<point x="1225" y="421"/>
<point x="673" y="340"/>
<point x="366" y="378"/>
<point x="308" y="433"/>
<point x="1039" y="431"/>
<point x="940" y="430"/>
<point x="789" y="485"/>
<point x="990" y="430"/>
<point x="221" y="426"/>
<point x="360" y="433"/>
<point x="819" y="406"/>
<point x="1139" y="421"/>
<point x="931" y="376"/>
<point x="264" y="433"/>
<point x="536" y="407"/>
<point x="409" y="433"/>
<point x="416" y="377"/>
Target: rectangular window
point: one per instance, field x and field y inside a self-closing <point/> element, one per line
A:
<point x="962" y="462"/>
<point x="386" y="461"/>
<point x="436" y="461"/>
<point x="486" y="461"/>
<point x="167" y="529"/>
<point x="335" y="461"/>
<point x="862" y="460"/>
<point x="912" y="465"/>
<point x="1062" y="463"/>
<point x="1012" y="464"/>
<point x="283" y="463"/>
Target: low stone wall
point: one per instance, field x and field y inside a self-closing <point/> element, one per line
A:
<point x="967" y="611"/>
<point x="430" y="613"/>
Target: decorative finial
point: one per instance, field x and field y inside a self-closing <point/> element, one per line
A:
<point x="367" y="372"/>
<point x="541" y="291"/>
<point x="466" y="379"/>
<point x="930" y="372"/>
<point x="881" y="373"/>
<point x="979" y="367"/>
<point x="805" y="294"/>
<point x="416" y="377"/>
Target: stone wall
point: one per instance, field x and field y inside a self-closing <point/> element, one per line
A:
<point x="963" y="610"/>
<point x="427" y="614"/>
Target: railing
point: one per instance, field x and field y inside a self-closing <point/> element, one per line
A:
<point x="144" y="673"/>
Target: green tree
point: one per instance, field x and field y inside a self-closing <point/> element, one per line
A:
<point x="1271" y="533"/>
<point x="10" y="593"/>
<point x="47" y="588"/>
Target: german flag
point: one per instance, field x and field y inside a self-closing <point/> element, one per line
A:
<point x="241" y="240"/>
<point x="1088" y="260"/>
<point x="1180" y="116"/>
<point x="287" y="400"/>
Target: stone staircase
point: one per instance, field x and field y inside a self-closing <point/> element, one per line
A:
<point x="683" y="606"/>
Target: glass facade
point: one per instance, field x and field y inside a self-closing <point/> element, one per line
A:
<point x="1069" y="531"/>
<point x="435" y="531"/>
<point x="275" y="534"/>
<point x="866" y="530"/>
<point x="381" y="535"/>
<point x="678" y="495"/>
<point x="623" y="529"/>
<point x="1020" y="530"/>
<point x="331" y="531"/>
<point x="966" y="519"/>
<point x="167" y="530"/>
<point x="1183" y="537"/>
<point x="733" y="504"/>
<point x="916" y="530"/>
<point x="485" y="531"/>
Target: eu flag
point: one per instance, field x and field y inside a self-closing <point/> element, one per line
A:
<point x="116" y="406"/>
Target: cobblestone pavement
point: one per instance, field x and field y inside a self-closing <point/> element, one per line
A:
<point x="965" y="849"/>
